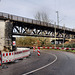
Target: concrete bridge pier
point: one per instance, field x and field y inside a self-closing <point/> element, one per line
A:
<point x="6" y="34"/>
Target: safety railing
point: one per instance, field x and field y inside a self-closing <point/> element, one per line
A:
<point x="27" y="20"/>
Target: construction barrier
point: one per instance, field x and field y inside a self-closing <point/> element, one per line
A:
<point x="33" y="49"/>
<point x="44" y="47"/>
<point x="21" y="53"/>
<point x="0" y="59"/>
<point x="56" y="48"/>
<point x="72" y="48"/>
<point x="7" y="57"/>
<point x="11" y="56"/>
<point x="38" y="51"/>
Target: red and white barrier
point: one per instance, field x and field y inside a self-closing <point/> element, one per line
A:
<point x="47" y="47"/>
<point x="7" y="57"/>
<point x="38" y="51"/>
<point x="0" y="59"/>
<point x="56" y="48"/>
<point x="11" y="56"/>
<point x="72" y="48"/>
<point x="21" y="54"/>
<point x="43" y="47"/>
<point x="33" y="49"/>
<point x="67" y="48"/>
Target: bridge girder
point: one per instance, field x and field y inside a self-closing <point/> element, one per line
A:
<point x="26" y="29"/>
<point x="25" y="26"/>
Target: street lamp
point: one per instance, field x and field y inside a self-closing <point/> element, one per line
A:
<point x="63" y="35"/>
<point x="57" y="17"/>
<point x="55" y="34"/>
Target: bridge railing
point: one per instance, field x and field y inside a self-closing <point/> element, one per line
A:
<point x="27" y="20"/>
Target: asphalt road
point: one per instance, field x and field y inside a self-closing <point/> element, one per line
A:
<point x="49" y="63"/>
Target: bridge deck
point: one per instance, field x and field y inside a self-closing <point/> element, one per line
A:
<point x="5" y="16"/>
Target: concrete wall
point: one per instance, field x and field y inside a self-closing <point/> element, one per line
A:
<point x="5" y="34"/>
<point x="2" y="34"/>
<point x="8" y="33"/>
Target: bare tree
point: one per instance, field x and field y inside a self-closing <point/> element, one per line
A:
<point x="42" y="16"/>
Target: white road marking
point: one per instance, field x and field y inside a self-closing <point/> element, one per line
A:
<point x="43" y="66"/>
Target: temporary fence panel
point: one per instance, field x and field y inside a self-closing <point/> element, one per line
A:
<point x="26" y="53"/>
<point x="17" y="55"/>
<point x="7" y="57"/>
<point x="21" y="53"/>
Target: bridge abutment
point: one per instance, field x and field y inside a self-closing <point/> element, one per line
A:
<point x="5" y="34"/>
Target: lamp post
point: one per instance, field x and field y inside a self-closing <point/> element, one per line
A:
<point x="57" y="17"/>
<point x="63" y="35"/>
<point x="55" y="34"/>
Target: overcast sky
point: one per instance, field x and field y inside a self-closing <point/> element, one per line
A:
<point x="28" y="8"/>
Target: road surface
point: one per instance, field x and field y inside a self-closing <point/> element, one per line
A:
<point x="49" y="63"/>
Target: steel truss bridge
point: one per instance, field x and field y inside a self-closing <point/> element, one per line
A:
<point x="29" y="27"/>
